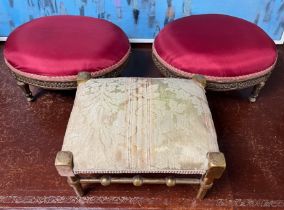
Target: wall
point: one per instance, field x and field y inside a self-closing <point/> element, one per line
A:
<point x="143" y="19"/>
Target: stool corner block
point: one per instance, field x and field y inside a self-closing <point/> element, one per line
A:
<point x="199" y="79"/>
<point x="216" y="164"/>
<point x="82" y="77"/>
<point x="64" y="163"/>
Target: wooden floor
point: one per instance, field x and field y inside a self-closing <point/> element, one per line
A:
<point x="251" y="135"/>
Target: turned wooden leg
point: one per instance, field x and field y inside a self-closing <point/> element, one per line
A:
<point x="26" y="89"/>
<point x="74" y="182"/>
<point x="216" y="167"/>
<point x="255" y="91"/>
<point x="64" y="166"/>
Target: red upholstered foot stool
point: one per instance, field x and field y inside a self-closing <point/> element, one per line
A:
<point x="230" y="52"/>
<point x="49" y="52"/>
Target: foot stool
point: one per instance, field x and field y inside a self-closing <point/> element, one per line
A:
<point x="49" y="52"/>
<point x="130" y="130"/>
<point x="229" y="52"/>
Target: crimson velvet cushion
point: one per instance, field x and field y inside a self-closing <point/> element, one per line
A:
<point x="220" y="47"/>
<point x="58" y="47"/>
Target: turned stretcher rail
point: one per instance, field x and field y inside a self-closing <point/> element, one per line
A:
<point x="216" y="167"/>
<point x="138" y="180"/>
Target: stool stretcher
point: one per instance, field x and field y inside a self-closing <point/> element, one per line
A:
<point x="216" y="167"/>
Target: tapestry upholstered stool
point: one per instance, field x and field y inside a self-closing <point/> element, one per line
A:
<point x="49" y="52"/>
<point x="130" y="130"/>
<point x="229" y="52"/>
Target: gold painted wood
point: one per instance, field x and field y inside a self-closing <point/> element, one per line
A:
<point x="104" y="180"/>
<point x="83" y="77"/>
<point x="216" y="167"/>
<point x="257" y="83"/>
<point x="138" y="180"/>
<point x="64" y="166"/>
<point x="64" y="163"/>
<point x="74" y="182"/>
<point x="57" y="85"/>
<point x="200" y="79"/>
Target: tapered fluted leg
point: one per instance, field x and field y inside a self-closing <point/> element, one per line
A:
<point x="255" y="91"/>
<point x="216" y="167"/>
<point x="205" y="185"/>
<point x="26" y="89"/>
<point x="64" y="166"/>
<point x="74" y="182"/>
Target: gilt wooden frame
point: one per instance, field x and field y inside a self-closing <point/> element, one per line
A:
<point x="64" y="166"/>
<point x="257" y="82"/>
<point x="23" y="81"/>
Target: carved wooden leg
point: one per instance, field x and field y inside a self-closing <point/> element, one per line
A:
<point x="64" y="166"/>
<point x="26" y="89"/>
<point x="255" y="91"/>
<point x="216" y="167"/>
<point x="74" y="182"/>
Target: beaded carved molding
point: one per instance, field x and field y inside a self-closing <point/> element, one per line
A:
<point x="216" y="86"/>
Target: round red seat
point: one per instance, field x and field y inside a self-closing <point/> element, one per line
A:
<point x="57" y="48"/>
<point x="222" y="48"/>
